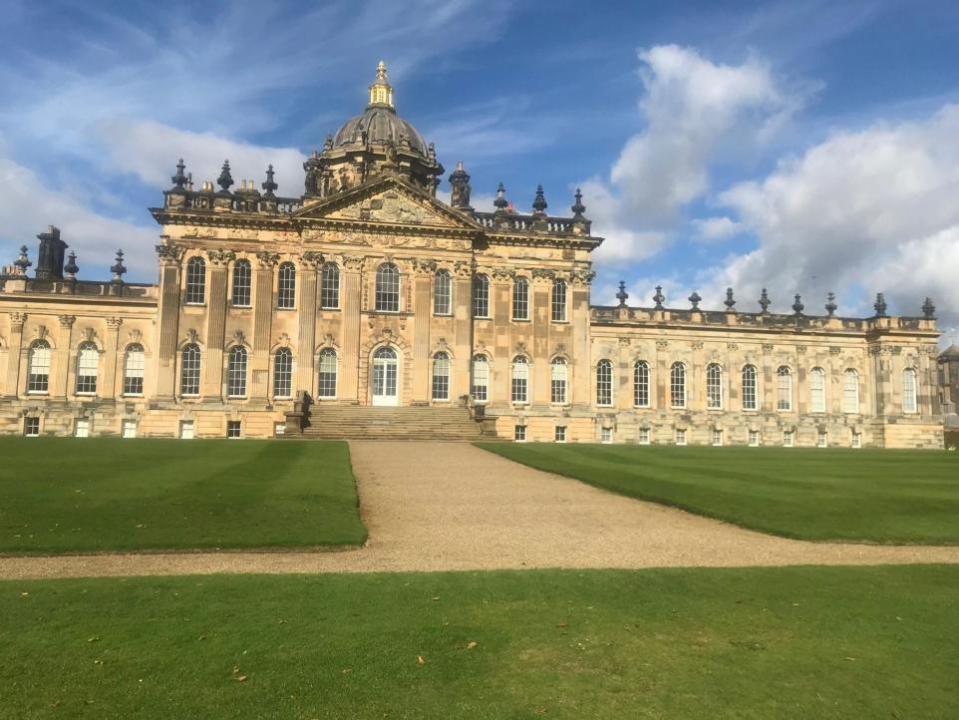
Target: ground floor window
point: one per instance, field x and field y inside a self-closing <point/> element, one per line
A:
<point x="856" y="439"/>
<point x="788" y="438"/>
<point x="519" y="433"/>
<point x="821" y="439"/>
<point x="187" y="431"/>
<point x="480" y="378"/>
<point x="31" y="426"/>
<point x="680" y="437"/>
<point x="753" y="438"/>
<point x="606" y="435"/>
<point x="717" y="437"/>
<point x="233" y="429"/>
<point x="129" y="429"/>
<point x="560" y="435"/>
<point x="279" y="429"/>
<point x="441" y="376"/>
<point x="327" y="385"/>
<point x="644" y="436"/>
<point x="82" y="429"/>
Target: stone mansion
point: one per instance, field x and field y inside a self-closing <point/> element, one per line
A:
<point x="366" y="302"/>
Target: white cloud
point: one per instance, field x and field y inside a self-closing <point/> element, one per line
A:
<point x="716" y="229"/>
<point x="696" y="113"/>
<point x="873" y="209"/>
<point x="27" y="207"/>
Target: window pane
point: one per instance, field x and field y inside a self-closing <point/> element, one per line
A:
<point x="817" y="390"/>
<point x="442" y="294"/>
<point x="910" y="402"/>
<point x="38" y="375"/>
<point x="784" y="389"/>
<point x="388" y="288"/>
<point x="88" y="361"/>
<point x="283" y="373"/>
<point x="480" y="378"/>
<point x="604" y="383"/>
<point x="850" y="392"/>
<point x="521" y="299"/>
<point x="286" y="291"/>
<point x="236" y="373"/>
<point x="195" y="281"/>
<point x="327" y="385"/>
<point x="677" y="385"/>
<point x="133" y="367"/>
<point x="750" y="400"/>
<point x="558" y="381"/>
<point x="558" y="301"/>
<point x="641" y="384"/>
<point x="520" y="380"/>
<point x="242" y="283"/>
<point x="714" y="387"/>
<point x="190" y="372"/>
<point x="330" y="292"/>
<point x="481" y="296"/>
<point x="441" y="376"/>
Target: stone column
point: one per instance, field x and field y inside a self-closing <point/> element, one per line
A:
<point x="580" y="360"/>
<point x="463" y="327"/>
<point x="215" y="327"/>
<point x="661" y="370"/>
<point x="306" y="331"/>
<point x="540" y="284"/>
<point x="769" y="388"/>
<point x="110" y="353"/>
<point x="169" y="319"/>
<point x="262" y="326"/>
<point x="423" y="274"/>
<point x="62" y="357"/>
<point x="16" y="354"/>
<point x="349" y="356"/>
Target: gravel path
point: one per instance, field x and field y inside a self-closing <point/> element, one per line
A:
<point x="451" y="506"/>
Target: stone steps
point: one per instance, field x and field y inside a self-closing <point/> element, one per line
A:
<point x="386" y="423"/>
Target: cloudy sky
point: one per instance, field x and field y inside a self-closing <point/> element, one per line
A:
<point x="804" y="146"/>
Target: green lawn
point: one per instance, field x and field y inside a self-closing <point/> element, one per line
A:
<point x="88" y="495"/>
<point x="885" y="496"/>
<point x="759" y="644"/>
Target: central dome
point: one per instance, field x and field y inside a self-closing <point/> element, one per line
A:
<point x="380" y="122"/>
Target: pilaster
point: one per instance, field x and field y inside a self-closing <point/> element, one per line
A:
<point x="307" y="322"/>
<point x="262" y="326"/>
<point x="349" y="357"/>
<point x="15" y="353"/>
<point x="168" y="320"/>
<point x="215" y="328"/>
<point x="61" y="357"/>
<point x="110" y="352"/>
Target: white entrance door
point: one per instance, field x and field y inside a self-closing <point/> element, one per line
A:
<point x="384" y="376"/>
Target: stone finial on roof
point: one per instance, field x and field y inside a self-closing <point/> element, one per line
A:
<point x="460" y="183"/>
<point x="501" y="203"/>
<point x="118" y="268"/>
<point x="622" y="295"/>
<point x="71" y="268"/>
<point x="798" y="307"/>
<point x="831" y="306"/>
<point x="764" y="301"/>
<point x="539" y="202"/>
<point x="180" y="179"/>
<point x="577" y="207"/>
<point x="928" y="309"/>
<point x="270" y="185"/>
<point x="226" y="179"/>
<point x="730" y="301"/>
<point x="880" y="305"/>
<point x="23" y="261"/>
<point x="659" y="298"/>
<point x="694" y="300"/>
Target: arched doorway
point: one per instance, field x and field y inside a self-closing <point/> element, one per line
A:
<point x="384" y="376"/>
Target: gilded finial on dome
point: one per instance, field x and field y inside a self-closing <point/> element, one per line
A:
<point x="381" y="92"/>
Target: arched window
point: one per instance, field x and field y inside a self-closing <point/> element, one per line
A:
<point x="88" y="363"/>
<point x="750" y="396"/>
<point x="133" y="367"/>
<point x="519" y="386"/>
<point x="817" y="390"/>
<point x="330" y="289"/>
<point x="286" y="286"/>
<point x="558" y="301"/>
<point x="784" y="389"/>
<point x="910" y="391"/>
<point x="480" y="378"/>
<point x="558" y="380"/>
<point x="442" y="293"/>
<point x="641" y="384"/>
<point x="38" y="368"/>
<point x="327" y="385"/>
<point x="521" y="299"/>
<point x="481" y="296"/>
<point x="195" y="281"/>
<point x="242" y="284"/>
<point x="441" y="376"/>
<point x="714" y="386"/>
<point x="850" y="391"/>
<point x="604" y="382"/>
<point x="677" y="385"/>
<point x="236" y="372"/>
<point x="190" y="371"/>
<point x="387" y="288"/>
<point x="283" y="373"/>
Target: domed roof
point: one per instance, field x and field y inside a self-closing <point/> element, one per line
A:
<point x="381" y="125"/>
<point x="380" y="122"/>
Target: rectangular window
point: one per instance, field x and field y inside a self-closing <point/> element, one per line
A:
<point x="129" y="429"/>
<point x="31" y="426"/>
<point x="753" y="438"/>
<point x="233" y="429"/>
<point x="560" y="434"/>
<point x="856" y="440"/>
<point x="717" y="438"/>
<point x="87" y="366"/>
<point x="821" y="439"/>
<point x="519" y="433"/>
<point x="480" y="379"/>
<point x="641" y="384"/>
<point x="558" y="301"/>
<point x="330" y="290"/>
<point x="442" y="294"/>
<point x="481" y="296"/>
<point x="441" y="377"/>
<point x="520" y="381"/>
<point x="680" y="437"/>
<point x="606" y="435"/>
<point x="817" y="390"/>
<point x="134" y="364"/>
<point x="279" y="429"/>
<point x="557" y="382"/>
<point x="286" y="287"/>
<point x="82" y="429"/>
<point x="521" y="299"/>
<point x="187" y="430"/>
<point x="788" y="439"/>
<point x="242" y="284"/>
<point x="644" y="436"/>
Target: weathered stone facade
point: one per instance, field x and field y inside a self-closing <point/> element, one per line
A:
<point x="368" y="290"/>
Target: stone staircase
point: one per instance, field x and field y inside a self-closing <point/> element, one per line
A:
<point x="390" y="423"/>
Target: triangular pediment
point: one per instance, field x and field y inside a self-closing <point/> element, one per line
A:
<point x="389" y="201"/>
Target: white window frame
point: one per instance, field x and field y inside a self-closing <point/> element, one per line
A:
<point x="242" y="294"/>
<point x="559" y="434"/>
<point x="677" y="385"/>
<point x="910" y="391"/>
<point x="754" y="439"/>
<point x="641" y="384"/>
<point x="330" y="287"/>
<point x="644" y="436"/>
<point x="440" y="377"/>
<point x="680" y="436"/>
<point x="750" y="381"/>
<point x="238" y="360"/>
<point x="604" y="383"/>
<point x="283" y="373"/>
<point x="558" y="381"/>
<point x="717" y="437"/>
<point x="789" y="438"/>
<point x="387" y="288"/>
<point x="481" y="373"/>
<point x="128" y="429"/>
<point x="519" y="381"/>
<point x="558" y="301"/>
<point x="442" y="293"/>
<point x="784" y="389"/>
<point x="519" y="433"/>
<point x="88" y="368"/>
<point x="192" y="364"/>
<point x="850" y="391"/>
<point x="606" y="435"/>
<point x="817" y="390"/>
<point x="39" y="357"/>
<point x="521" y="299"/>
<point x="134" y="368"/>
<point x="195" y="281"/>
<point x="328" y="374"/>
<point x="480" y="297"/>
<point x="286" y="286"/>
<point x="714" y="386"/>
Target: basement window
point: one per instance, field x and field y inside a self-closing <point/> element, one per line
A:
<point x="233" y="429"/>
<point x="31" y="426"/>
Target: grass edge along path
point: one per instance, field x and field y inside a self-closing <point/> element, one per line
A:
<point x="751" y="643"/>
<point x="867" y="496"/>
<point x="97" y="495"/>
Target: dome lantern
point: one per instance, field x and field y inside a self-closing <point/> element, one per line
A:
<point x="381" y="92"/>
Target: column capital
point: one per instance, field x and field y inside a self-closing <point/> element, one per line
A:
<point x="17" y="320"/>
<point x="66" y="321"/>
<point x="170" y="254"/>
<point x="114" y="323"/>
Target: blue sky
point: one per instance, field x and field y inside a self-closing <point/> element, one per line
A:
<point x="801" y="146"/>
